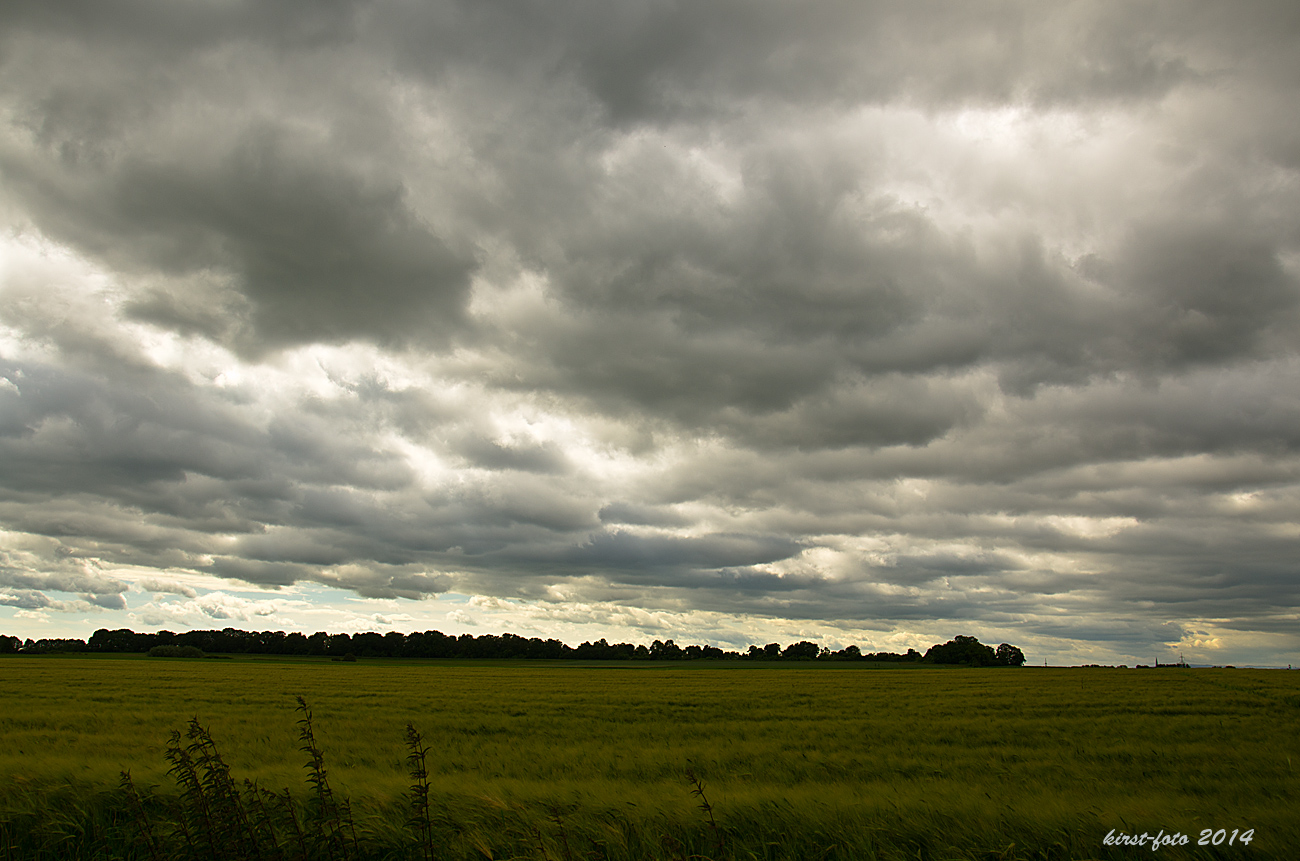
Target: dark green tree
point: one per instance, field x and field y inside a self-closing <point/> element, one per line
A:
<point x="665" y="651"/>
<point x="801" y="651"/>
<point x="848" y="653"/>
<point x="1010" y="656"/>
<point x="962" y="650"/>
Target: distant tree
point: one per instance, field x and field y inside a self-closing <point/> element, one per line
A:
<point x="665" y="651"/>
<point x="317" y="643"/>
<point x="296" y="644"/>
<point x="51" y="645"/>
<point x="801" y="651"/>
<point x="962" y="650"/>
<point x="597" y="651"/>
<point x="429" y="644"/>
<point x="338" y="645"/>
<point x="266" y="643"/>
<point x="553" y="649"/>
<point x="892" y="657"/>
<point x="9" y="644"/>
<point x="367" y="645"/>
<point x="121" y="640"/>
<point x="1010" y="656"/>
<point x="233" y="640"/>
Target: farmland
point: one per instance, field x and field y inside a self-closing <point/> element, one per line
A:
<point x="538" y="760"/>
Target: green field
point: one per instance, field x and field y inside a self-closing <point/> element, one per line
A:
<point x="570" y="761"/>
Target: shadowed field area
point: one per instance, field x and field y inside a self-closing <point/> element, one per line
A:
<point x="877" y="761"/>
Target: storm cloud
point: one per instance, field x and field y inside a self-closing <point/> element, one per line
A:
<point x="845" y="316"/>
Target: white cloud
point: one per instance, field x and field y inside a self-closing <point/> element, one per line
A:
<point x="150" y="584"/>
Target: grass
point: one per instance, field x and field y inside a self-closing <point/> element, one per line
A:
<point x="524" y="761"/>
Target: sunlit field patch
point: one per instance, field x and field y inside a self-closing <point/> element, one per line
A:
<point x="884" y="761"/>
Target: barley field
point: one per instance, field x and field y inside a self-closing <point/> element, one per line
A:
<point x="701" y="760"/>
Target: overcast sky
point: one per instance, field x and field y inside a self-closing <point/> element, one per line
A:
<point x="727" y="322"/>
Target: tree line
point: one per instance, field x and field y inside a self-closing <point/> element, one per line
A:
<point x="435" y="644"/>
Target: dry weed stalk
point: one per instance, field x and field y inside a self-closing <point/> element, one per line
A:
<point x="292" y="816"/>
<point x="262" y="823"/>
<point x="144" y="828"/>
<point x="229" y="818"/>
<point x="195" y="814"/>
<point x="332" y="816"/>
<point x="416" y="762"/>
<point x="697" y="789"/>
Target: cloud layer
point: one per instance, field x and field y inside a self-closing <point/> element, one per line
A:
<point x="843" y="314"/>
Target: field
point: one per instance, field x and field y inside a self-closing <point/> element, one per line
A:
<point x="565" y="761"/>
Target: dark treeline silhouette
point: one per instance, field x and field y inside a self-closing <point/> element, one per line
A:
<point x="968" y="650"/>
<point x="435" y="644"/>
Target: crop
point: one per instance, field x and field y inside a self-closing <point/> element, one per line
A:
<point x="576" y="762"/>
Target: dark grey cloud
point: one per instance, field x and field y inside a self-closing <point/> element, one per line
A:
<point x="665" y="61"/>
<point x="622" y="551"/>
<point x="840" y="312"/>
<point x="313" y="251"/>
<point x="489" y="454"/>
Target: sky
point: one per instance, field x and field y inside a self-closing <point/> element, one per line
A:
<point x="725" y="322"/>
